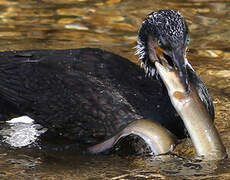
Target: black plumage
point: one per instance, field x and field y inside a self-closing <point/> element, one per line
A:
<point x="88" y="94"/>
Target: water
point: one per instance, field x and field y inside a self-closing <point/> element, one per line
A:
<point x="113" y="25"/>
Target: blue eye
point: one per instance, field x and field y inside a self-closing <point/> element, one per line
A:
<point x="187" y="40"/>
<point x="159" y="43"/>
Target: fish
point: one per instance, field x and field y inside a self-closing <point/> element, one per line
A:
<point x="158" y="138"/>
<point x="200" y="127"/>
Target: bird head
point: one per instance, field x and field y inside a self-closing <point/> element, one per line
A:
<point x="164" y="37"/>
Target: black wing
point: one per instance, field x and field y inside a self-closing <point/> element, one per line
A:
<point x="86" y="94"/>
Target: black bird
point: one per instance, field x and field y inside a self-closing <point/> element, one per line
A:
<point x="89" y="94"/>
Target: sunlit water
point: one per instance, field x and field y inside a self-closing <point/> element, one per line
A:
<point x="113" y="25"/>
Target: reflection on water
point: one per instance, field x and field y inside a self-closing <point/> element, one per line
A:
<point x="20" y="132"/>
<point x="113" y="25"/>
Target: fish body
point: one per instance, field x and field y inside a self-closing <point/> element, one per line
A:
<point x="158" y="138"/>
<point x="197" y="121"/>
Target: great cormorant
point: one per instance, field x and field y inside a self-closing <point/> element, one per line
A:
<point x="89" y="94"/>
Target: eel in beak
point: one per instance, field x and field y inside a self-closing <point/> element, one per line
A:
<point x="188" y="105"/>
<point x="159" y="139"/>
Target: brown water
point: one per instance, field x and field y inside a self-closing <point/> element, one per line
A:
<point x="113" y="25"/>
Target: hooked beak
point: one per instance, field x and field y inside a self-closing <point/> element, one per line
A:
<point x="178" y="60"/>
<point x="174" y="60"/>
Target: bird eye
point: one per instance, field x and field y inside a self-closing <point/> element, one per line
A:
<point x="187" y="40"/>
<point x="159" y="43"/>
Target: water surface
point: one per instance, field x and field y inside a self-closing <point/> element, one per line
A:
<point x="112" y="25"/>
